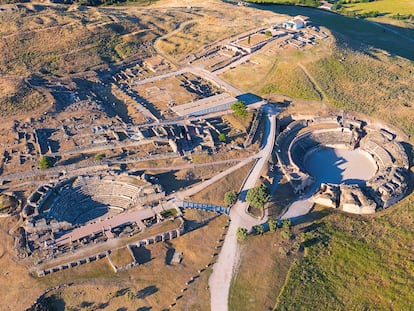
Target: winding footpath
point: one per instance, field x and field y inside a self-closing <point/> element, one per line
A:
<point x="228" y="259"/>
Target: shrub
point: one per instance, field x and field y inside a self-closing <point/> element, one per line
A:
<point x="241" y="233"/>
<point x="222" y="137"/>
<point x="272" y="225"/>
<point x="259" y="229"/>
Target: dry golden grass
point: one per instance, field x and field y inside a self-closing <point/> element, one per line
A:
<point x="154" y="283"/>
<point x="232" y="154"/>
<point x="216" y="21"/>
<point x="63" y="39"/>
<point x="260" y="277"/>
<point x="121" y="257"/>
<point x="214" y="194"/>
<point x="239" y="123"/>
<point x="97" y="284"/>
<point x="277" y="67"/>
<point x="375" y="86"/>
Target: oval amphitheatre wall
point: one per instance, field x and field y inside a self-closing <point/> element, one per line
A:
<point x="358" y="166"/>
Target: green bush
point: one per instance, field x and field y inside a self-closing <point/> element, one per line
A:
<point x="272" y="225"/>
<point x="222" y="137"/>
<point x="241" y="233"/>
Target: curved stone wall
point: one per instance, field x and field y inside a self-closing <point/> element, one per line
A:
<point x="302" y="137"/>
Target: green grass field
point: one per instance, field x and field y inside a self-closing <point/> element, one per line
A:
<point x="287" y="76"/>
<point x="348" y="262"/>
<point x="368" y="85"/>
<point x="355" y="263"/>
<point x="384" y="6"/>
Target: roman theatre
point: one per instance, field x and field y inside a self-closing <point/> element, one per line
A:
<point x="354" y="165"/>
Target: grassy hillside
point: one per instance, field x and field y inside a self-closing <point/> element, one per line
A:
<point x="287" y="76"/>
<point x="332" y="261"/>
<point x="68" y="39"/>
<point x="355" y="263"/>
<point x="379" y="86"/>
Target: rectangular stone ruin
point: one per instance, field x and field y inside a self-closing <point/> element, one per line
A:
<point x="166" y="236"/>
<point x="101" y="255"/>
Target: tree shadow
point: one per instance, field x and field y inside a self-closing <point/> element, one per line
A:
<point x="121" y="292"/>
<point x="54" y="303"/>
<point x="102" y="306"/>
<point x="191" y="224"/>
<point x="86" y="304"/>
<point x="170" y="253"/>
<point x="147" y="291"/>
<point x="310" y="217"/>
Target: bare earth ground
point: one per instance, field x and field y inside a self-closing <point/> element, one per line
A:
<point x="155" y="284"/>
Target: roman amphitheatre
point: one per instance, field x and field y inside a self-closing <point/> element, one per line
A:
<point x="136" y="148"/>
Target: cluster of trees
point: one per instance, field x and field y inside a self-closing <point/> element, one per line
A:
<point x="403" y="17"/>
<point x="369" y="14"/>
<point x="284" y="224"/>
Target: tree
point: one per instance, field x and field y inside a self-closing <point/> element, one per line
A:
<point x="222" y="137"/>
<point x="239" y="108"/>
<point x="249" y="39"/>
<point x="230" y="197"/>
<point x="45" y="162"/>
<point x="272" y="225"/>
<point x="130" y="295"/>
<point x="259" y="229"/>
<point x="268" y="33"/>
<point x="98" y="157"/>
<point x="286" y="224"/>
<point x="258" y="196"/>
<point x="241" y="233"/>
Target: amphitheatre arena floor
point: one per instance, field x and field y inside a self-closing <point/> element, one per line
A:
<point x="340" y="166"/>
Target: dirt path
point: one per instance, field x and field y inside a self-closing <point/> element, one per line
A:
<point x="228" y="260"/>
<point x="315" y="85"/>
<point x="170" y="34"/>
